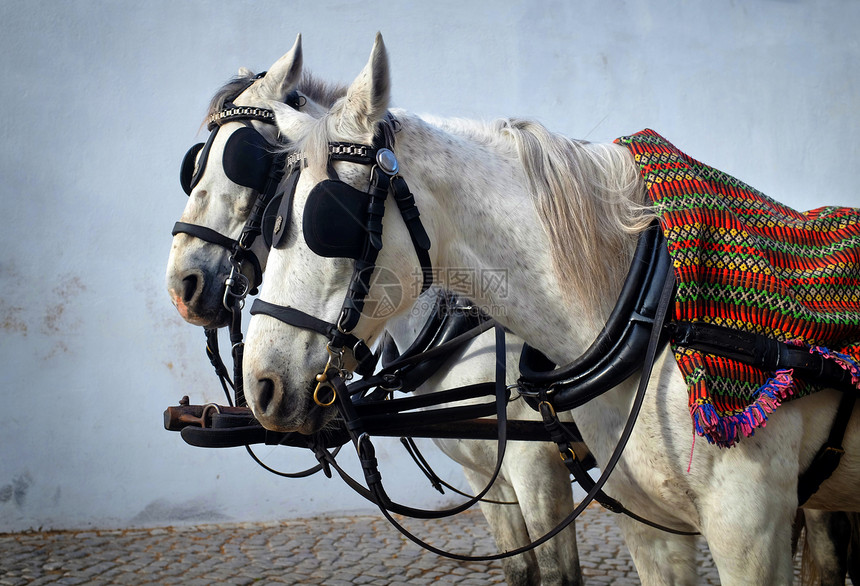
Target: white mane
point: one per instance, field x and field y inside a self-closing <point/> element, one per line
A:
<point x="589" y="197"/>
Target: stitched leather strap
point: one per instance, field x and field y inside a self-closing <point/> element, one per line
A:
<point x="295" y="317"/>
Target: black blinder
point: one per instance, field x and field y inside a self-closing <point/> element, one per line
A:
<point x="248" y="159"/>
<point x="186" y="173"/>
<point x="335" y="220"/>
<point x="194" y="163"/>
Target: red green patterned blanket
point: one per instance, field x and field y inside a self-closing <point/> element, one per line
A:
<point x="746" y="262"/>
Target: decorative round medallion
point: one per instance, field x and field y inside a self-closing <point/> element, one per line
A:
<point x="387" y="162"/>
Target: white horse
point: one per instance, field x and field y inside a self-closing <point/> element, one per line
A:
<point x="562" y="218"/>
<point x="532" y="476"/>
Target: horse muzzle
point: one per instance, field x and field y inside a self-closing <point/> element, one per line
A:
<point x="197" y="298"/>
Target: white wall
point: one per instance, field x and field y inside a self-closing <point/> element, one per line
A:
<point x="101" y="100"/>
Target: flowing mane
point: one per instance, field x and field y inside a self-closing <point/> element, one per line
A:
<point x="589" y="197"/>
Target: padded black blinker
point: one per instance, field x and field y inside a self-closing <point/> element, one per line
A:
<point x="335" y="220"/>
<point x="186" y="173"/>
<point x="194" y="164"/>
<point x="248" y="159"/>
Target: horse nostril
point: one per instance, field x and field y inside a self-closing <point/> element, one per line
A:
<point x="189" y="288"/>
<point x="266" y="388"/>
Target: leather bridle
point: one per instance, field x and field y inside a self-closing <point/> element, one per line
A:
<point x="265" y="182"/>
<point x="237" y="285"/>
<point x="384" y="179"/>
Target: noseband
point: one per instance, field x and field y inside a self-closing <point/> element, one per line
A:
<point x="340" y="221"/>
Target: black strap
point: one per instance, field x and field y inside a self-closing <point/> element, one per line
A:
<point x="293" y="317"/>
<point x="365" y="358"/>
<point x="828" y="457"/>
<point x="412" y="217"/>
<point x="205" y="234"/>
<point x="218" y="363"/>
<point x="762" y="352"/>
<point x="237" y="347"/>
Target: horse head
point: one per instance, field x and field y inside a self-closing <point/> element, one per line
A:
<point x="335" y="276"/>
<point x="225" y="178"/>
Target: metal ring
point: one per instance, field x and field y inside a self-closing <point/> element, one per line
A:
<point x="206" y="408"/>
<point x="316" y="395"/>
<point x="548" y="404"/>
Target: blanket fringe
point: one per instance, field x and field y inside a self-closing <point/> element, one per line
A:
<point x="726" y="431"/>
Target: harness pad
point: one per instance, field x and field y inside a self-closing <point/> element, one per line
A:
<point x="248" y="158"/>
<point x="334" y="222"/>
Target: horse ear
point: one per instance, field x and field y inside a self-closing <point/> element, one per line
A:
<point x="290" y="122"/>
<point x="245" y="72"/>
<point x="368" y="97"/>
<point x="284" y="75"/>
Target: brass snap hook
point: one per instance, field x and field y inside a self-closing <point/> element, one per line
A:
<point x="324" y="384"/>
<point x="322" y="378"/>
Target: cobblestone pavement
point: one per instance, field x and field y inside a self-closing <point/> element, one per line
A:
<point x="332" y="551"/>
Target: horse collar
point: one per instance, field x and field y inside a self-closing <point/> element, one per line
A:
<point x="617" y="351"/>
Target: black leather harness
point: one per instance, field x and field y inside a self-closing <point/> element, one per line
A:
<point x="356" y="234"/>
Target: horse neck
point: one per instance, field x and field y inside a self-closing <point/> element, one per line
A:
<point x="492" y="245"/>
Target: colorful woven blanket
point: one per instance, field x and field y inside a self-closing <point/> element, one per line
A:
<point x="746" y="262"/>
